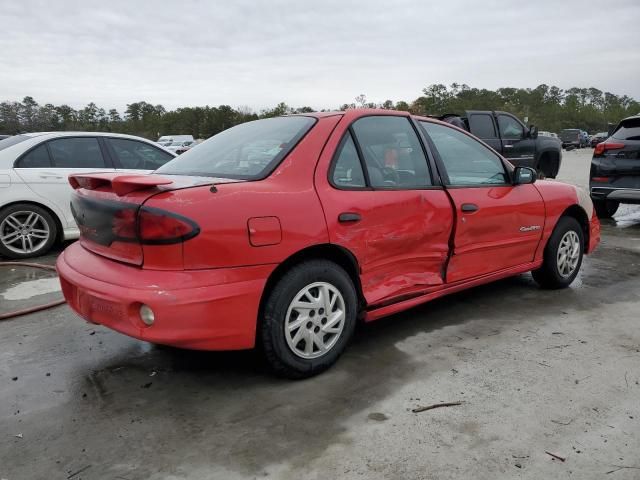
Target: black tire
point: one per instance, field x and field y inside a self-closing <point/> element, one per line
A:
<point x="605" y="208"/>
<point x="42" y="244"/>
<point x="272" y="339"/>
<point x="549" y="274"/>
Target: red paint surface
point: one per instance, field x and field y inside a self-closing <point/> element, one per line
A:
<point x="410" y="246"/>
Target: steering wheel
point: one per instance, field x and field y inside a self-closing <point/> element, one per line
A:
<point x="390" y="175"/>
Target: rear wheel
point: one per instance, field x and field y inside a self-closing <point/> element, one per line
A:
<point x="26" y="231"/>
<point x="562" y="255"/>
<point x="605" y="208"/>
<point x="309" y="317"/>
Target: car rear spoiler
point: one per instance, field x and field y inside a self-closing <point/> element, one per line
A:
<point x="118" y="184"/>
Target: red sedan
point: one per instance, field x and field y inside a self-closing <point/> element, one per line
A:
<point x="282" y="233"/>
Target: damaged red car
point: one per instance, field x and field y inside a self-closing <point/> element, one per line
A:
<point x="283" y="233"/>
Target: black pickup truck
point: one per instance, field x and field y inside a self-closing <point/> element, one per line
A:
<point x="520" y="144"/>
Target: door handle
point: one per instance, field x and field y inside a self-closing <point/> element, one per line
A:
<point x="44" y="175"/>
<point x="349" y="217"/>
<point x="508" y="146"/>
<point x="469" y="207"/>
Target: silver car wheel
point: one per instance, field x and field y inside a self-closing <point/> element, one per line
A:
<point x="568" y="253"/>
<point x="24" y="232"/>
<point x="315" y="320"/>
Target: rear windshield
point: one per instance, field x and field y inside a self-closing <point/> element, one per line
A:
<point x="627" y="130"/>
<point x="8" y="142"/>
<point x="249" y="151"/>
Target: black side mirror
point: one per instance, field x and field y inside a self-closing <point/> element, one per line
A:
<point x="533" y="131"/>
<point x="524" y="175"/>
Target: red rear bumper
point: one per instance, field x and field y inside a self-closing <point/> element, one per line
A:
<point x="214" y="309"/>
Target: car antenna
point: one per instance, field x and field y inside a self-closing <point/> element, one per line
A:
<point x="213" y="188"/>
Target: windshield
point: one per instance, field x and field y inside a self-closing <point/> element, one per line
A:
<point x="249" y="151"/>
<point x="10" y="141"/>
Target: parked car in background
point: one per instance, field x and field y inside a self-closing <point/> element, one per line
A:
<point x="180" y="147"/>
<point x="548" y="134"/>
<point x="167" y="140"/>
<point x="599" y="137"/>
<point x="284" y="232"/>
<point x="585" y="140"/>
<point x="2" y="137"/>
<point x="34" y="186"/>
<point x="615" y="169"/>
<point x="571" y="138"/>
<point x="507" y="135"/>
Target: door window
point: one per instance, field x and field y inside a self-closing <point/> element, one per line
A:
<point x="482" y="125"/>
<point x="133" y="154"/>
<point x="510" y="128"/>
<point x="392" y="152"/>
<point x="466" y="161"/>
<point x="76" y="152"/>
<point x="36" y="158"/>
<point x="347" y="169"/>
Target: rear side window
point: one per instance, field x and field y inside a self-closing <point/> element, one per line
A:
<point x="510" y="128"/>
<point x="392" y="152"/>
<point x="466" y="161"/>
<point x="77" y="152"/>
<point x="482" y="126"/>
<point x="36" y="158"/>
<point x="138" y="155"/>
<point x="347" y="170"/>
<point x="628" y="130"/>
<point x="249" y="151"/>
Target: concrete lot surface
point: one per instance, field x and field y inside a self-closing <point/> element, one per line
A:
<point x="535" y="371"/>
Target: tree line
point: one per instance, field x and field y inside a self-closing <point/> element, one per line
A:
<point x="548" y="107"/>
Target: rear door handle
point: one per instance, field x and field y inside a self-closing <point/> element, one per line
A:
<point x="469" y="207"/>
<point x="349" y="217"/>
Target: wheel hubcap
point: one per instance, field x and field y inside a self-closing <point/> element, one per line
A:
<point x="568" y="253"/>
<point x="315" y="320"/>
<point x="24" y="232"/>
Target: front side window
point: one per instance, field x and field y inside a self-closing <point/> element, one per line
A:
<point x="347" y="170"/>
<point x="392" y="152"/>
<point x="466" y="161"/>
<point x="249" y="151"/>
<point x="510" y="128"/>
<point x="133" y="154"/>
<point x="76" y="152"/>
<point x="36" y="158"/>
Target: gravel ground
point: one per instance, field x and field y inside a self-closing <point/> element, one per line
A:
<point x="535" y="372"/>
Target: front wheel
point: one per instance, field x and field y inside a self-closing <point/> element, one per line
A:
<point x="605" y="208"/>
<point x="309" y="317"/>
<point x="26" y="231"/>
<point x="562" y="255"/>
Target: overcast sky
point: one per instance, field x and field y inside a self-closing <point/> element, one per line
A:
<point x="320" y="53"/>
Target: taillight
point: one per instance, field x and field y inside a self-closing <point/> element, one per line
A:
<point x="605" y="146"/>
<point x="158" y="227"/>
<point x="123" y="225"/>
<point x="151" y="226"/>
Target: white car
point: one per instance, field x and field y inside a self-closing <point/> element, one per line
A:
<point x="34" y="188"/>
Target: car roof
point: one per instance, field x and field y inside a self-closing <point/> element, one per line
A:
<point x="83" y="134"/>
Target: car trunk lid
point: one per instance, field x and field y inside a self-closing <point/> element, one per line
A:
<point x="113" y="221"/>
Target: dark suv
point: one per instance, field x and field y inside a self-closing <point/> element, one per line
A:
<point x="615" y="169"/>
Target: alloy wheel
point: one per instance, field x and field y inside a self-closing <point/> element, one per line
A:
<point x="24" y="232"/>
